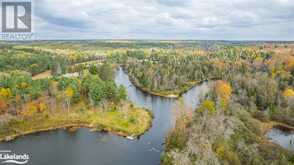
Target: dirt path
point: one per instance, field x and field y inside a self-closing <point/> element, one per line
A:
<point x="46" y="74"/>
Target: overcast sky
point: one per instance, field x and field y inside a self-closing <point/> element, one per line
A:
<point x="164" y="19"/>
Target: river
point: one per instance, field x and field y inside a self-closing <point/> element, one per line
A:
<point x="95" y="148"/>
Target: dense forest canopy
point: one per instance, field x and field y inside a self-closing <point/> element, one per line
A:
<point x="252" y="86"/>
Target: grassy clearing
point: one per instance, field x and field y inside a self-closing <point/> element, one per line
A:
<point x="43" y="75"/>
<point x="124" y="120"/>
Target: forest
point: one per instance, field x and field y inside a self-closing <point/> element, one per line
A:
<point x="253" y="91"/>
<point x="89" y="98"/>
<point x="51" y="85"/>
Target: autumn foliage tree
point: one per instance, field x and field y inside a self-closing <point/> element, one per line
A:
<point x="290" y="63"/>
<point x="33" y="108"/>
<point x="207" y="106"/>
<point x="30" y="110"/>
<point x="223" y="91"/>
<point x="288" y="95"/>
<point x="68" y="94"/>
<point x="5" y="94"/>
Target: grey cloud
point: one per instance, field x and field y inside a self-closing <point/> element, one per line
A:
<point x="201" y="19"/>
<point x="174" y="2"/>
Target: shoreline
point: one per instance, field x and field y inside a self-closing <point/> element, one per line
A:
<point x="59" y="121"/>
<point x="171" y="95"/>
<point x="267" y="126"/>
<point x="68" y="127"/>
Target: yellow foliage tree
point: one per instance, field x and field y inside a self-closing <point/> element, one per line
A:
<point x="23" y="85"/>
<point x="68" y="93"/>
<point x="223" y="91"/>
<point x="288" y="93"/>
<point x="207" y="106"/>
<point x="5" y="93"/>
<point x="30" y="110"/>
<point x="42" y="107"/>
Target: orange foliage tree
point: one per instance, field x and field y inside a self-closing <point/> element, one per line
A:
<point x="33" y="108"/>
<point x="30" y="110"/>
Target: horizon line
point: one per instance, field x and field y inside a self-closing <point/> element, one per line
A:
<point x="142" y="39"/>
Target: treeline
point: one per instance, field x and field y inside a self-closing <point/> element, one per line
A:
<point x="142" y="44"/>
<point x="172" y="70"/>
<point x="20" y="95"/>
<point x="258" y="76"/>
<point x="35" y="60"/>
<point x="12" y="59"/>
<point x="222" y="131"/>
<point x="255" y="86"/>
<point x="121" y="44"/>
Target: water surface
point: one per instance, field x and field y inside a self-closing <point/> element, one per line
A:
<point x="282" y="138"/>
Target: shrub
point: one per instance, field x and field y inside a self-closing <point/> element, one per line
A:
<point x="132" y="120"/>
<point x="178" y="137"/>
<point x="207" y="106"/>
<point x="224" y="152"/>
<point x="166" y="159"/>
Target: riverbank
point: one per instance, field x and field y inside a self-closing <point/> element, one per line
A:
<point x="167" y="94"/>
<point x="126" y="120"/>
<point x="173" y="94"/>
